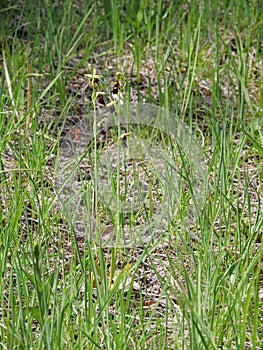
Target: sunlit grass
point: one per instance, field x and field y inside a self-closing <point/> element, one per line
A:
<point x="201" y="61"/>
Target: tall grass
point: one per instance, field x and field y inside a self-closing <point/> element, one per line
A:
<point x="203" y="62"/>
